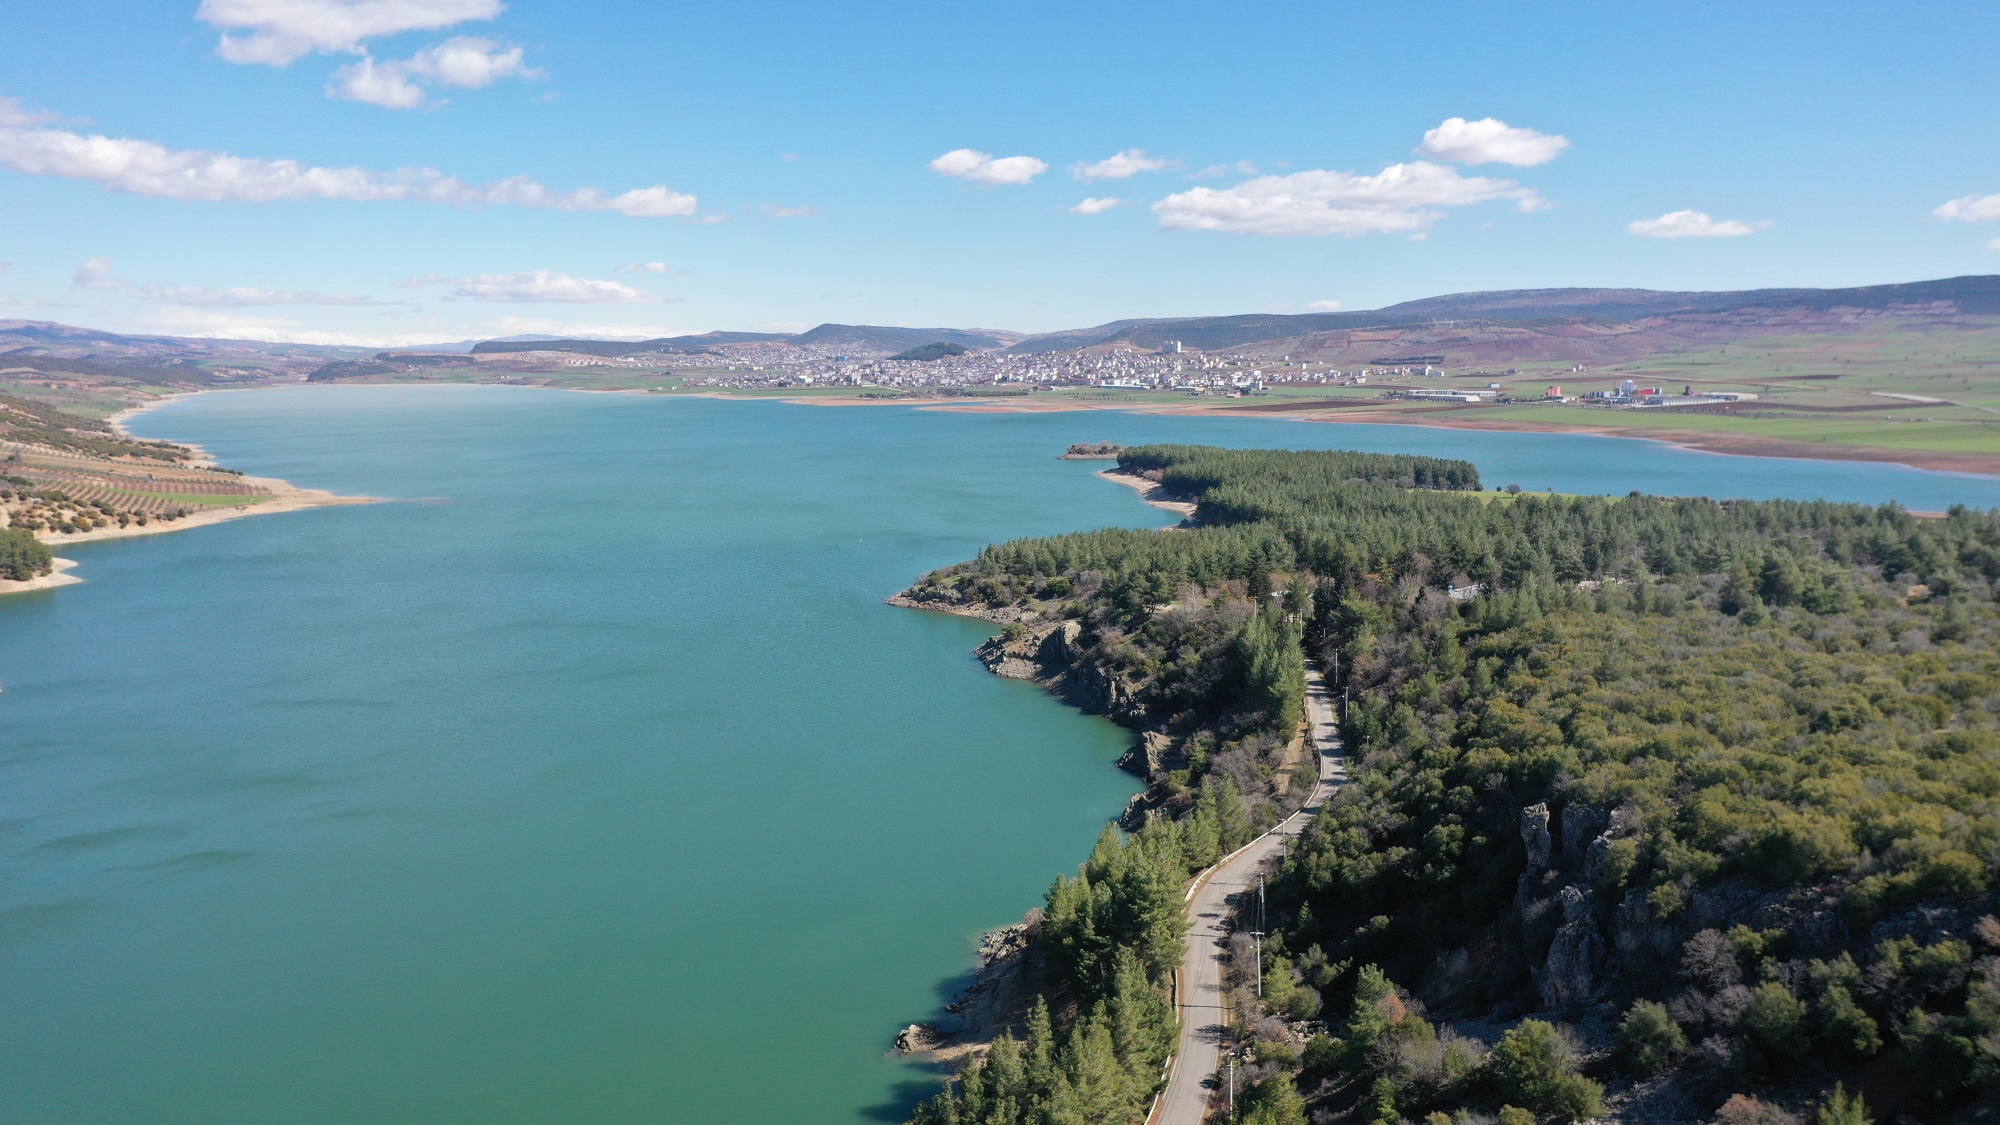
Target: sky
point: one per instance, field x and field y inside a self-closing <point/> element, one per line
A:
<point x="396" y="172"/>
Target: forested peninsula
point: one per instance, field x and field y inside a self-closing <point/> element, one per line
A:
<point x="1660" y="809"/>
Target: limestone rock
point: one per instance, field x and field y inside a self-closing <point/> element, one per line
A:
<point x="1535" y="834"/>
<point x="1572" y="973"/>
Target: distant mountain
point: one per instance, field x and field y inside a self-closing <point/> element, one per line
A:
<point x="868" y="337"/>
<point x="667" y="344"/>
<point x="46" y="338"/>
<point x="1531" y="307"/>
<point x="859" y="338"/>
<point x="1588" y="326"/>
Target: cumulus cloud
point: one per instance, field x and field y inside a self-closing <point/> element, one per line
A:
<point x="143" y="167"/>
<point x="1094" y="206"/>
<point x="533" y="287"/>
<point x="1118" y="166"/>
<point x="1490" y="140"/>
<point x="1692" y="224"/>
<point x="1243" y="167"/>
<point x="985" y="168"/>
<point x="1323" y="306"/>
<point x="641" y="267"/>
<point x="96" y="273"/>
<point x="1994" y="245"/>
<point x="1402" y="198"/>
<point x="1966" y="209"/>
<point x="777" y="212"/>
<point x="278" y="32"/>
<point x="464" y="61"/>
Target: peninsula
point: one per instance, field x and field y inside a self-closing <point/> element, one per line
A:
<point x="70" y="478"/>
<point x="1654" y="805"/>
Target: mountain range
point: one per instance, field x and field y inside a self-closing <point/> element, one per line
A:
<point x="1522" y="325"/>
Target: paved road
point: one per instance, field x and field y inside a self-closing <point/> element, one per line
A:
<point x="1193" y="1081"/>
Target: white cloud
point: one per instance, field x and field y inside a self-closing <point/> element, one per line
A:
<point x="1402" y="198"/>
<point x="641" y="267"/>
<point x="1971" y="209"/>
<point x="985" y="168"/>
<point x="1490" y="140"/>
<point x="14" y="115"/>
<point x="1118" y="166"/>
<point x="277" y="32"/>
<point x="1323" y="306"/>
<point x="240" y="295"/>
<point x="1692" y="224"/>
<point x="1095" y="206"/>
<point x="146" y="168"/>
<point x="533" y="287"/>
<point x="1243" y="167"/>
<point x="778" y="212"/>
<point x="385" y="84"/>
<point x="95" y="273"/>
<point x="465" y="61"/>
<point x="1994" y="245"/>
<point x="520" y="326"/>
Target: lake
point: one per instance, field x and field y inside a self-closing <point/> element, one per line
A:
<point x="590" y="780"/>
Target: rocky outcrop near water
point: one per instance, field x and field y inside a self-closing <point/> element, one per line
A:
<point x="996" y="999"/>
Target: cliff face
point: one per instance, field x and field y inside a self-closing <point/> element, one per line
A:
<point x="1052" y="655"/>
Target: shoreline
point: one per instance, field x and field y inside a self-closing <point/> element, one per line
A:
<point x="285" y="496"/>
<point x="57" y="577"/>
<point x="1152" y="492"/>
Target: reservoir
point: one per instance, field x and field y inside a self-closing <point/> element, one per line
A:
<point x="588" y="781"/>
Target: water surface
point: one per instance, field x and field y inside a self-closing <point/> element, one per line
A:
<point x="591" y="782"/>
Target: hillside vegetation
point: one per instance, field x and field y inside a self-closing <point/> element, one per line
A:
<point x="1659" y="806"/>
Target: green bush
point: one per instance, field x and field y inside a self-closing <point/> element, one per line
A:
<point x="1775" y="1025"/>
<point x="1649" y="1039"/>
<point x="1534" y="1066"/>
<point x="22" y="556"/>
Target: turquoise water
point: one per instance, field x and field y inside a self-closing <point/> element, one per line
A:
<point x="591" y="782"/>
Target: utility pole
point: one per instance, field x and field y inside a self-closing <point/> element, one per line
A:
<point x="1259" y="939"/>
<point x="1260" y="900"/>
<point x="1232" y="1083"/>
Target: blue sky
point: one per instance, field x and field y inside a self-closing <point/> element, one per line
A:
<point x="780" y="162"/>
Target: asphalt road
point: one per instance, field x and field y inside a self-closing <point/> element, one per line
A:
<point x="1194" y="1081"/>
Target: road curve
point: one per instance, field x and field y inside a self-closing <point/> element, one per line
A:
<point x="1192" y="1081"/>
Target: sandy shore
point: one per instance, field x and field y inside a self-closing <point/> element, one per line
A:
<point x="60" y="576"/>
<point x="1150" y="491"/>
<point x="285" y="498"/>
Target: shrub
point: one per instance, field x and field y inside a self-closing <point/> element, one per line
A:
<point x="1649" y="1038"/>
<point x="1774" y="1022"/>
<point x="1534" y="1065"/>
<point x="22" y="556"/>
<point x="1839" y="1109"/>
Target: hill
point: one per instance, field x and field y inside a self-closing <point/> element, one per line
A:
<point x="1526" y="325"/>
<point x="928" y="352"/>
<point x="864" y="339"/>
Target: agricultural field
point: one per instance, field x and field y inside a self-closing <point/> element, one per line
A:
<point x="62" y="475"/>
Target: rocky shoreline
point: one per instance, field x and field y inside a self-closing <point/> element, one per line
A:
<point x="1047" y="653"/>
